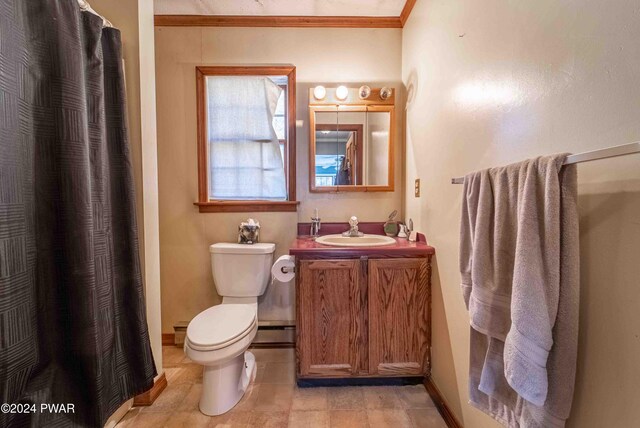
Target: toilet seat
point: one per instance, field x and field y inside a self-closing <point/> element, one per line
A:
<point x="221" y="326"/>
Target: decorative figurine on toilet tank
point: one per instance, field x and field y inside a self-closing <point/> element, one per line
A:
<point x="249" y="232"/>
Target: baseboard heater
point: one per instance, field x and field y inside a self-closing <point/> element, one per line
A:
<point x="270" y="333"/>
<point x="275" y="333"/>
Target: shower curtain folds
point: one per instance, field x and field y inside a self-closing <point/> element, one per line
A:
<point x="73" y="326"/>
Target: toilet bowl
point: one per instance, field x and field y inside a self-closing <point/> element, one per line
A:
<point x="218" y="337"/>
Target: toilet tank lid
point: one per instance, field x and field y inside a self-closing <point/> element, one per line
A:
<point x="230" y="248"/>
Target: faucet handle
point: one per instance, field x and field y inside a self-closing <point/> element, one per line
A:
<point x="353" y="221"/>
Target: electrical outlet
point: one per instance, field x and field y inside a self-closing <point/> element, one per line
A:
<point x="417" y="188"/>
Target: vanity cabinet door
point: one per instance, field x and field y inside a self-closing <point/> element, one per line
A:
<point x="332" y="309"/>
<point x="399" y="330"/>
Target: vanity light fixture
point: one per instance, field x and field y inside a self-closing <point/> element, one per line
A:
<point x="364" y="92"/>
<point x="342" y="92"/>
<point x="385" y="93"/>
<point x="319" y="92"/>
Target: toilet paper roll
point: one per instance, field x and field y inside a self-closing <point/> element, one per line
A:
<point x="284" y="268"/>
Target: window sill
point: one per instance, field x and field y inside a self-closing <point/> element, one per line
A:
<point x="247" y="206"/>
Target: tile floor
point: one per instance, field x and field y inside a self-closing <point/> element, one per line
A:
<point x="275" y="401"/>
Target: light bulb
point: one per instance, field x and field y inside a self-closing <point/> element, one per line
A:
<point x="319" y="92"/>
<point x="342" y="93"/>
<point x="364" y="92"/>
<point x="385" y="93"/>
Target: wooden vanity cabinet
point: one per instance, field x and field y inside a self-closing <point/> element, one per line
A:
<point x="363" y="317"/>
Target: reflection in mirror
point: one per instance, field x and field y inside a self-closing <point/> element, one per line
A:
<point x="351" y="148"/>
<point x="338" y="155"/>
<point x="351" y="139"/>
<point x="339" y="148"/>
<point x="377" y="148"/>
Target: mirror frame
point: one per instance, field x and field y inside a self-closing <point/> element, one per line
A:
<point x="313" y="109"/>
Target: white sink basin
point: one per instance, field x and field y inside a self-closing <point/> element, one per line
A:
<point x="360" y="241"/>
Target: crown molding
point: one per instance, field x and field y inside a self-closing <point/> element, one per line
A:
<point x="277" y="21"/>
<point x="406" y="11"/>
<point x="286" y="21"/>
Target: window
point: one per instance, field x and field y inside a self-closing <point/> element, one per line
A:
<point x="246" y="138"/>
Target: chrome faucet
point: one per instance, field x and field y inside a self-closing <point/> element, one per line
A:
<point x="315" y="224"/>
<point x="353" y="228"/>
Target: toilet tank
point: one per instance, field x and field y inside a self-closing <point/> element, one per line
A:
<point x="241" y="270"/>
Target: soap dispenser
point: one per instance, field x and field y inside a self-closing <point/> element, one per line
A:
<point x="403" y="231"/>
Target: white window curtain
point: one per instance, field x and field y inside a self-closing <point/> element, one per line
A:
<point x="245" y="161"/>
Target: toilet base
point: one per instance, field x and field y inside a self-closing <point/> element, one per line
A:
<point x="224" y="385"/>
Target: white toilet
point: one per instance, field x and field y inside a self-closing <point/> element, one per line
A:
<point x="218" y="338"/>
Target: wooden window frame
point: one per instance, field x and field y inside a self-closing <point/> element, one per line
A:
<point x="206" y="205"/>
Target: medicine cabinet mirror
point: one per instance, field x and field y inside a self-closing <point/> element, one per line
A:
<point x="351" y="142"/>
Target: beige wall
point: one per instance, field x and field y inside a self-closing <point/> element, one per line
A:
<point x="496" y="82"/>
<point x="321" y="56"/>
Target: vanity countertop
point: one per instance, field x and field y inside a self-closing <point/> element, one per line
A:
<point x="307" y="247"/>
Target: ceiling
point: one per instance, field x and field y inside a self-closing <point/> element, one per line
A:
<point x="280" y="7"/>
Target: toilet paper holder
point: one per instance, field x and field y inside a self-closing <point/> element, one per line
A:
<point x="284" y="269"/>
<point x="287" y="269"/>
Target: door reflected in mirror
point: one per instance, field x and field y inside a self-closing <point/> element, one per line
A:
<point x="339" y="149"/>
<point x="338" y="155"/>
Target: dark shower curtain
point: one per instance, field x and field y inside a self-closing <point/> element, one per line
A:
<point x="72" y="315"/>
